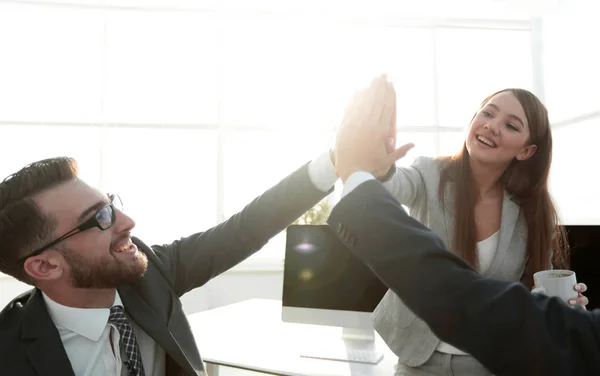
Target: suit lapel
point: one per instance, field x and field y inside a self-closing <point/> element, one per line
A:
<point x="151" y="323"/>
<point x="144" y="316"/>
<point x="46" y="351"/>
<point x="510" y="216"/>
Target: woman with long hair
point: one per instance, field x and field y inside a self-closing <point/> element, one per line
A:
<point x="491" y="206"/>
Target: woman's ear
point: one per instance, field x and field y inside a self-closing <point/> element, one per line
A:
<point x="527" y="152"/>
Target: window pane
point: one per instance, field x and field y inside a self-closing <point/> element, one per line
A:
<point x="255" y="160"/>
<point x="571" y="68"/>
<point x="51" y="64"/>
<point x="575" y="191"/>
<point x="166" y="179"/>
<point x="161" y="67"/>
<point x="451" y="142"/>
<point x="473" y="64"/>
<point x="26" y="144"/>
<point x="304" y="74"/>
<point x="274" y="249"/>
<point x="425" y="145"/>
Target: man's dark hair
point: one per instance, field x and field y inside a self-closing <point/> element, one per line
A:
<point x="23" y="226"/>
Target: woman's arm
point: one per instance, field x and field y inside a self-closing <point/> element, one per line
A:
<point x="407" y="183"/>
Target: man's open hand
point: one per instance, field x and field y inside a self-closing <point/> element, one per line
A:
<point x="366" y="139"/>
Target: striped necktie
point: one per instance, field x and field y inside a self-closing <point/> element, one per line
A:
<point x="132" y="350"/>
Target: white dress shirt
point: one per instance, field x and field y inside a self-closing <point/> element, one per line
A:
<point x="355" y="180"/>
<point x="89" y="339"/>
<point x="321" y="172"/>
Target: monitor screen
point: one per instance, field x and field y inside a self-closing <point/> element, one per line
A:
<point x="321" y="273"/>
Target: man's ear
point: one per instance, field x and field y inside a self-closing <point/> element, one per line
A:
<point x="527" y="152"/>
<point x="44" y="267"/>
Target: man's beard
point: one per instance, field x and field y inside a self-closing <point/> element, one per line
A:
<point x="99" y="274"/>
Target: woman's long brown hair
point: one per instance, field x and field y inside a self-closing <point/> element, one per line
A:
<point x="527" y="181"/>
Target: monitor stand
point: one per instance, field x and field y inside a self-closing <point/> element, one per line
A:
<point x="355" y="345"/>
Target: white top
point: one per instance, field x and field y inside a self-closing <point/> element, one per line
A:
<point x="487" y="250"/>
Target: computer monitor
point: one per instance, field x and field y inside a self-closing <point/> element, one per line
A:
<point x="325" y="284"/>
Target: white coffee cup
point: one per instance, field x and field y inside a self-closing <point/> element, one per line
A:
<point x="559" y="283"/>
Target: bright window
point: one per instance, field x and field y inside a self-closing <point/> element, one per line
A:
<point x="570" y="67"/>
<point x="574" y="185"/>
<point x="189" y="112"/>
<point x="473" y="64"/>
<point x="165" y="177"/>
<point x="163" y="69"/>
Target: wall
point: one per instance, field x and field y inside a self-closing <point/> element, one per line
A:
<point x="235" y="286"/>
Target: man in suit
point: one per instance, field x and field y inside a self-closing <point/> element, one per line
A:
<point x="103" y="302"/>
<point x="508" y="329"/>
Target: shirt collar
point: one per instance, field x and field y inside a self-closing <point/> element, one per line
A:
<point x="87" y="322"/>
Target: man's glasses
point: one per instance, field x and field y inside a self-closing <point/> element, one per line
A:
<point x="103" y="219"/>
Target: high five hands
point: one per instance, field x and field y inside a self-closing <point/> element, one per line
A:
<point x="366" y="139"/>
